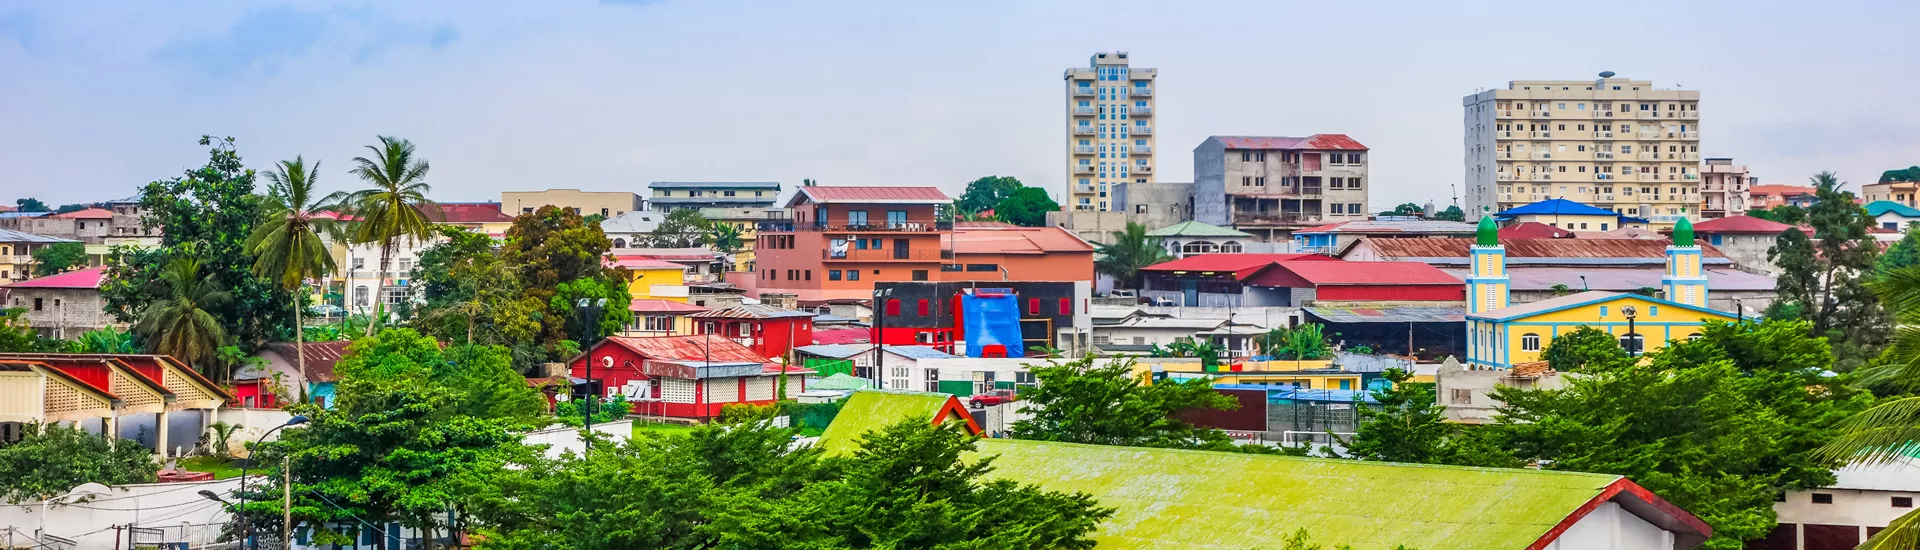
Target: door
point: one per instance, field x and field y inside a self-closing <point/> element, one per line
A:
<point x="1192" y="291"/>
<point x="900" y="250"/>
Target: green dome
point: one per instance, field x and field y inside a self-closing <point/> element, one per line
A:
<point x="1683" y="233"/>
<point x="1489" y="233"/>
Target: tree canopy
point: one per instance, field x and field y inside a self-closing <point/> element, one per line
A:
<point x="1823" y="280"/>
<point x="557" y="259"/>
<point x="58" y="258"/>
<point x="987" y="193"/>
<point x="1452" y="214"/>
<point x="77" y="456"/>
<point x="1127" y="252"/>
<point x="1783" y="213"/>
<point x="30" y="204"/>
<point x="1102" y="402"/>
<point x="681" y="228"/>
<point x="1026" y="207"/>
<point x="1405" y="209"/>
<point x="1911" y="173"/>
<point x="1410" y="426"/>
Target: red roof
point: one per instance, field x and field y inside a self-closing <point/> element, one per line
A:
<point x="1740" y="224"/>
<point x="1369" y="273"/>
<point x="88" y="214"/>
<point x="1320" y="142"/>
<point x="467" y="212"/>
<point x="881" y="195"/>
<point x="842" y="336"/>
<point x="1777" y="189"/>
<point x="85" y="278"/>
<point x="1013" y="239"/>
<point x="1233" y="262"/>
<point x="687" y="348"/>
<point x="1533" y="230"/>
<point x="645" y="305"/>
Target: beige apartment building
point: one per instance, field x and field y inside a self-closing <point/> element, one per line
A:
<point x="1110" y="126"/>
<point x="1723" y="188"/>
<point x="609" y="204"/>
<point x="1897" y="191"/>
<point x="1614" y="143"/>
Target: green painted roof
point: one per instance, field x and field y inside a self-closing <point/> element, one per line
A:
<point x="1169" y="498"/>
<point x="869" y="410"/>
<point x="840" y="381"/>
<point x="1196" y="229"/>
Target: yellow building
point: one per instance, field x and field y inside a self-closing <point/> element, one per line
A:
<point x="1569" y="215"/>
<point x="16" y="253"/>
<point x="608" y="204"/>
<point x="655" y="279"/>
<point x="1503" y="336"/>
<point x="1316" y="375"/>
<point x="1110" y="124"/>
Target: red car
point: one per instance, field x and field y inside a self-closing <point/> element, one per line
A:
<point x="994" y="397"/>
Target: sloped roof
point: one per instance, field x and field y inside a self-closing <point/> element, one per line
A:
<point x="668" y="254"/>
<point x="1233" y="262"/>
<point x="917" y="352"/>
<point x="11" y="236"/>
<point x="1369" y="273"/>
<point x="870" y="410"/>
<point x="1017" y="240"/>
<point x="1197" y="229"/>
<point x="1620" y="279"/>
<point x="321" y="357"/>
<point x="1740" y="224"/>
<point x="635" y="221"/>
<point x="1173" y="498"/>
<point x="466" y="212"/>
<point x="686" y="348"/>
<point x="840" y="381"/>
<point x="1877" y="208"/>
<point x="1778" y="189"/>
<point x="1644" y="249"/>
<point x="872" y="195"/>
<point x="87" y="214"/>
<point x="642" y="262"/>
<point x="843" y="336"/>
<point x="1356" y="314"/>
<point x="1533" y="230"/>
<point x="1555" y="206"/>
<point x="714" y="185"/>
<point x="1389" y="227"/>
<point x="751" y="311"/>
<point x="654" y="305"/>
<point x="1579" y="299"/>
<point x="85" y="278"/>
<point x="837" y="351"/>
<point x="25" y="214"/>
<point x="1318" y="142"/>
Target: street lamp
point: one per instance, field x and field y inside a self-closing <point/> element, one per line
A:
<point x="1739" y="312"/>
<point x="589" y="311"/>
<point x="1633" y="339"/>
<point x="880" y="295"/>
<point x="246" y="527"/>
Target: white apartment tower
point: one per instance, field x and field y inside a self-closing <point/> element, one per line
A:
<point x="1110" y="128"/>
<point x="1614" y="143"/>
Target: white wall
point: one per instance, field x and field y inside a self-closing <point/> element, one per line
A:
<point x="176" y="507"/>
<point x="1611" y="528"/>
<point x="561" y="439"/>
<point x="253" y="423"/>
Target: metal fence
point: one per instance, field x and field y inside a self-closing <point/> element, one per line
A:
<point x="1309" y="421"/>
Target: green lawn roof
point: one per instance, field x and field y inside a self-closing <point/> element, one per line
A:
<point x="1167" y="498"/>
<point x="1196" y="229"/>
<point x="869" y="410"/>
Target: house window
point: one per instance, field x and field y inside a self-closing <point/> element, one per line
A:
<point x="1033" y="306"/>
<point x="1902" y="502"/>
<point x="833" y="274"/>
<point x="1066" y="306"/>
<point x="893" y="307"/>
<point x="1530" y="342"/>
<point x="923" y="307"/>
<point x="933" y="380"/>
<point x="919" y="274"/>
<point x="661" y="323"/>
<point x="1822" y="498"/>
<point x="1460" y="396"/>
<point x="39" y="304"/>
<point x="853" y="274"/>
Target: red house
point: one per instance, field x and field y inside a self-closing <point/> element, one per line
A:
<point x="768" y="331"/>
<point x="684" y="376"/>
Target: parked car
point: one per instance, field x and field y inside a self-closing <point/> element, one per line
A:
<point x="992" y="398"/>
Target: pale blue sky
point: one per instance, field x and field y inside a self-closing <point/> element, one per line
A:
<point x="611" y="95"/>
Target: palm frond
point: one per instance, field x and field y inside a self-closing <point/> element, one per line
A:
<point x="1903" y="533"/>
<point x="1879" y="435"/>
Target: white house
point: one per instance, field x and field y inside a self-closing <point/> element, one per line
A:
<point x="1860" y="502"/>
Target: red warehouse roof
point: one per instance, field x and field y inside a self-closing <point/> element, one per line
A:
<point x="687" y="348"/>
<point x="1242" y="265"/>
<point x="1354" y="273"/>
<point x="1533" y="230"/>
<point x="466" y="212"/>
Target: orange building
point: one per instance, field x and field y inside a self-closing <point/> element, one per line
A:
<point x="840" y="240"/>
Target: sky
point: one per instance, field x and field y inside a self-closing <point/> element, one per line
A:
<point x="97" y="98"/>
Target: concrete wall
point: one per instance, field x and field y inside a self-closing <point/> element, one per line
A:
<point x="608" y="203"/>
<point x="1209" y="183"/>
<point x="1747" y="250"/>
<point x="63" y="312"/>
<point x="1156" y="205"/>
<point x="1467" y="394"/>
<point x="177" y="508"/>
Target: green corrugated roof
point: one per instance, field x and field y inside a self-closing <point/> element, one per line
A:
<point x="1195" y="229"/>
<point x="1169" y="498"/>
<point x="869" y="410"/>
<point x="840" y="381"/>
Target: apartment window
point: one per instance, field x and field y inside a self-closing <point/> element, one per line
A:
<point x="1336" y="183"/>
<point x="359" y="263"/>
<point x="924" y="306"/>
<point x="919" y="274"/>
<point x="833" y="274"/>
<point x="1822" y="498"/>
<point x="854" y="274"/>
<point x="809" y="274"/>
<point x="1260" y="181"/>
<point x="1353" y="183"/>
<point x="1066" y="306"/>
<point x="1246" y="156"/>
<point x="893" y="307"/>
<point x="1902" y="502"/>
<point x="1260" y="156"/>
<point x="1337" y="208"/>
<point x="1246" y="181"/>
<point x="1354" y="208"/>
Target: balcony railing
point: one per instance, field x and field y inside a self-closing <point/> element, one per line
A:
<point x="1542" y="134"/>
<point x="1649" y="156"/>
<point x="18" y="260"/>
<point x="1504" y="134"/>
<point x="1142" y="168"/>
<point x="1541" y="156"/>
<point x="1541" y="114"/>
<point x="1083" y="130"/>
<point x="1143" y="111"/>
<point x="1083" y="91"/>
<point x="1649" y="114"/>
<point x="1143" y="149"/>
<point x="1603" y="114"/>
<point x="1542" y="176"/>
<point x="1688" y="135"/>
<point x="1275" y="217"/>
<point x="1083" y="150"/>
<point x="1082" y="169"/>
<point x="1683" y="114"/>
<point x="1142" y="91"/>
<point x="885" y="255"/>
<point x="1083" y="189"/>
<point x="1689" y="156"/>
<point x="1143" y="130"/>
<point x="1603" y="135"/>
<point x="1084" y="111"/>
<point x="1503" y="177"/>
<point x="1603" y="156"/>
<point x="1503" y="113"/>
<point x="1649" y="177"/>
<point x="910" y="226"/>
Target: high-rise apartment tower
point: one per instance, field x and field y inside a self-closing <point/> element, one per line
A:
<point x="1110" y="127"/>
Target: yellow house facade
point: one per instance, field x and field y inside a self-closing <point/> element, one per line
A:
<point x="1316" y="375"/>
<point x="655" y="279"/>
<point x="1502" y="336"/>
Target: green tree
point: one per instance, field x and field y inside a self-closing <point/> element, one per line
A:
<point x="103" y="340"/>
<point x="15" y="335"/>
<point x="1452" y="214"/>
<point x="1306" y="342"/>
<point x="727" y="238"/>
<point x="1405" y="209"/>
<point x="1890" y="431"/>
<point x="184" y="326"/>
<point x="471" y="295"/>
<point x="1409" y="425"/>
<point x="1130" y="251"/>
<point x="680" y="228"/>
<point x="1783" y="213"/>
<point x="30" y="204"/>
<point x="1026" y="207"/>
<point x="558" y="259"/>
<point x="59" y="258"/>
<point x="1908" y="174"/>
<point x="482" y="378"/>
<point x="1585" y="349"/>
<point x="209" y="213"/>
<point x="987" y="193"/>
<point x="1824" y="280"/>
<point x="1106" y="404"/>
<point x="66" y="208"/>
<point x="289" y="246"/>
<point x="1716" y="425"/>
<point x="1904" y="253"/>
<point x="394" y="207"/>
<point x="51" y="459"/>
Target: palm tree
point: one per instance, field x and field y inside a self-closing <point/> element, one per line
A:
<point x="394" y="207"/>
<point x="183" y="325"/>
<point x="1130" y="251"/>
<point x="287" y="246"/>
<point x="1890" y="431"/>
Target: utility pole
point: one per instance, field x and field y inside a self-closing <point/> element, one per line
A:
<point x="286" y="510"/>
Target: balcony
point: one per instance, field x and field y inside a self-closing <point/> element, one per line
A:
<point x="1503" y="113"/>
<point x="1272" y="217"/>
<point x="1603" y="176"/>
<point x="1649" y="177"/>
<point x="1540" y="114"/>
<point x="1508" y="155"/>
<point x="1683" y="114"/>
<point x="1649" y="114"/>
<point x="1083" y="130"/>
<point x="1603" y="156"/>
<point x="1603" y="135"/>
<point x="1504" y="134"/>
<point x="1503" y="177"/>
<point x="1141" y="111"/>
<point x="1689" y="135"/>
<point x="1142" y="92"/>
<point x="1143" y="149"/>
<point x="1143" y="130"/>
<point x="1690" y="176"/>
<point x="1083" y="91"/>
<point x="1648" y="156"/>
<point x="1083" y="169"/>
<point x="1603" y="114"/>
<point x="1606" y="197"/>
<point x="910" y="226"/>
<point x="1689" y="156"/>
<point x="1084" y="189"/>
<point x="1542" y="176"/>
<point x="1142" y="169"/>
<point x="894" y="255"/>
<point x="1083" y="150"/>
<point x="22" y="260"/>
<point x="1541" y="134"/>
<point x="1084" y="111"/>
<point x="1542" y="156"/>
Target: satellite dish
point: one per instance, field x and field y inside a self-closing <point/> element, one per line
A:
<point x="1606" y="74"/>
<point x="607" y="361"/>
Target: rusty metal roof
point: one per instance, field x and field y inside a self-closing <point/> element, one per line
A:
<point x="1321" y="142"/>
<point x="687" y="348"/>
<point x="321" y="357"/>
<point x="874" y="195"/>
<point x="750" y="311"/>
<point x="1641" y="249"/>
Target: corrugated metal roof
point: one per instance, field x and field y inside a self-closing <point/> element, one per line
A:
<point x="82" y="279"/>
<point x="1876" y="208"/>
<point x="86" y="214"/>
<point x="1017" y="240"/>
<point x="1370" y="273"/>
<point x="1388" y="314"/>
<point x="668" y="254"/>
<point x="714" y="185"/>
<point x="1197" y="229"/>
<point x="687" y="348"/>
<point x="647" y="305"/>
<point x="750" y="311"/>
<point x="1316" y="142"/>
<point x="25" y="214"/>
<point x="1782" y="190"/>
<point x="466" y="212"/>
<point x="1740" y="224"/>
<point x="638" y="262"/>
<point x="1416" y="227"/>
<point x="1408" y="249"/>
<point x="837" y="351"/>
<point x="1578" y="299"/>
<point x="876" y="195"/>
<point x="1555" y="206"/>
<point x="320" y="357"/>
<point x="870" y="410"/>
<point x="918" y="352"/>
<point x="1620" y="279"/>
<point x="1533" y="230"/>
<point x="11" y="236"/>
<point x="843" y="336"/>
<point x="1234" y="262"/>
